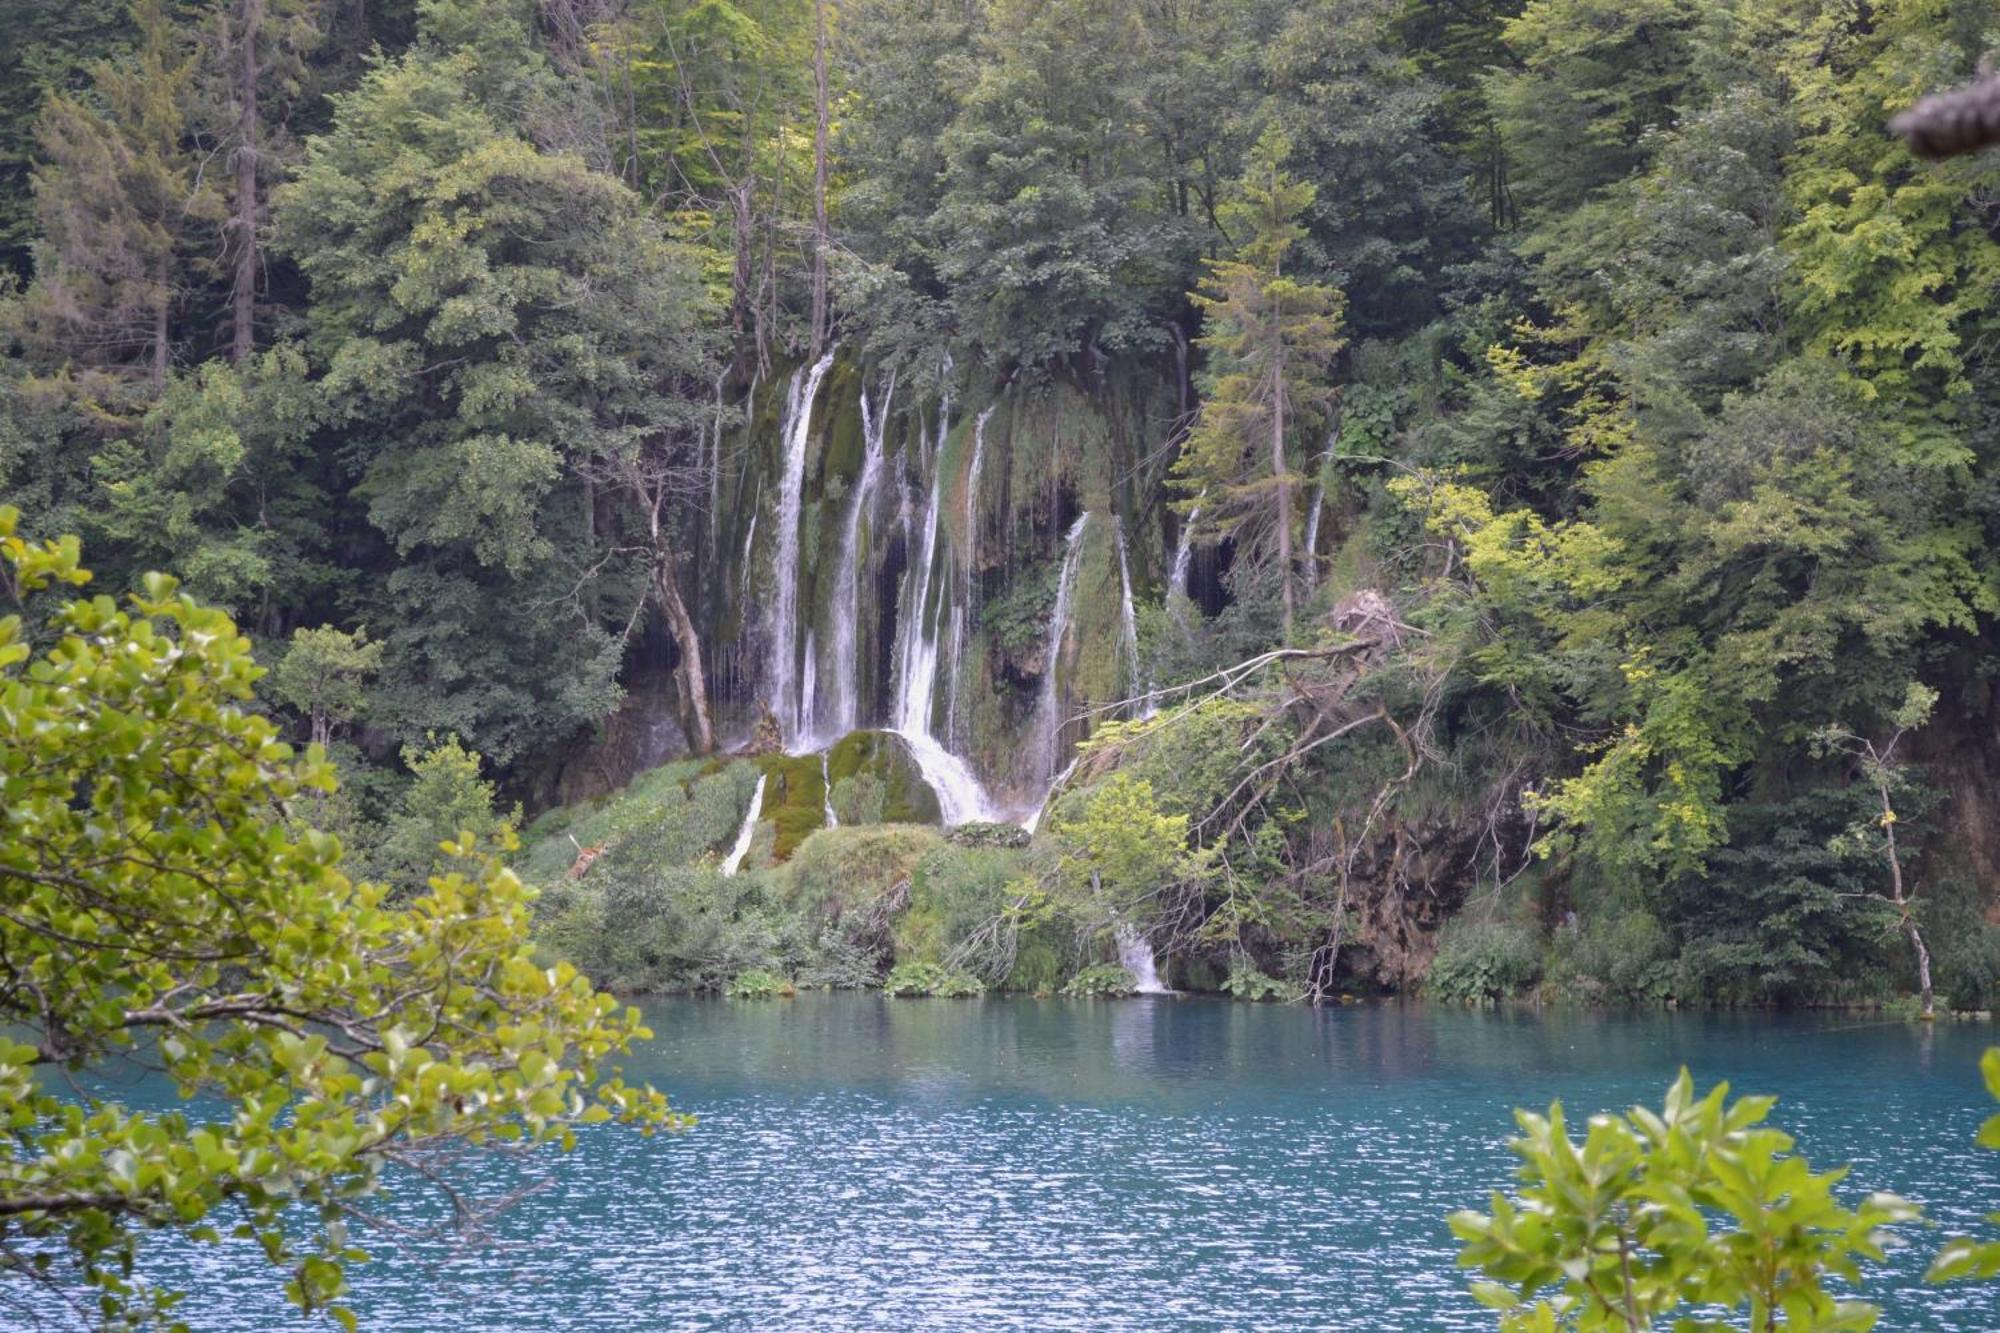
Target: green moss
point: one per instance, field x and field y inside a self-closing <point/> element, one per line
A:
<point x="906" y="797"/>
<point x="794" y="800"/>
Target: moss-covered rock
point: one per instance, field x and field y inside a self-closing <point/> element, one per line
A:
<point x="794" y="800"/>
<point x="881" y="756"/>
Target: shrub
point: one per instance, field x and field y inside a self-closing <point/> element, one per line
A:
<point x="953" y="892"/>
<point x="913" y="979"/>
<point x="1247" y="983"/>
<point x="642" y="929"/>
<point x="757" y="984"/>
<point x="988" y="835"/>
<point x="1102" y="982"/>
<point x="1480" y="961"/>
<point x="1968" y="967"/>
<point x="1623" y="956"/>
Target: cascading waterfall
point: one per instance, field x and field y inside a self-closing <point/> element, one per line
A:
<point x="797" y="433"/>
<point x="845" y="705"/>
<point x="826" y="787"/>
<point x="1135" y="952"/>
<point x="916" y="655"/>
<point x="1128" y="618"/>
<point x="961" y="798"/>
<point x="804" y="740"/>
<point x="968" y="567"/>
<point x="1049" y="709"/>
<point x="734" y="861"/>
<point x="1184" y="553"/>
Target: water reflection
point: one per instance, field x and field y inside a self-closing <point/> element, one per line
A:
<point x="1164" y="1163"/>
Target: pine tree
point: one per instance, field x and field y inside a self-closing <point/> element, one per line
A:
<point x="1272" y="339"/>
<point x="125" y="210"/>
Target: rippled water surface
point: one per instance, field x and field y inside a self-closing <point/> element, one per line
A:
<point x="1148" y="1164"/>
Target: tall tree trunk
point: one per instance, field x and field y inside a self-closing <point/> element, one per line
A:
<point x="693" y="680"/>
<point x="743" y="219"/>
<point x="821" y="237"/>
<point x="162" y="302"/>
<point x="243" y="296"/>
<point x="1282" y="475"/>
<point x="1910" y="930"/>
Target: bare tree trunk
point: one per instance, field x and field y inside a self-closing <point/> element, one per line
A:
<point x="692" y="678"/>
<point x="1910" y="930"/>
<point x="243" y="295"/>
<point x="742" y="216"/>
<point x="821" y="237"/>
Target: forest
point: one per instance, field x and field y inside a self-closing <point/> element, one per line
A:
<point x="1318" y="497"/>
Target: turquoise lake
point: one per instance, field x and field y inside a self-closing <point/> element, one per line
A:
<point x="864" y="1163"/>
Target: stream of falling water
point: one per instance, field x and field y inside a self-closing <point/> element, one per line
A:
<point x="783" y="679"/>
<point x="1184" y="553"/>
<point x="961" y="796"/>
<point x="1135" y="951"/>
<point x="1049" y="709"/>
<point x="1128" y="622"/>
<point x="845" y="705"/>
<point x="734" y="861"/>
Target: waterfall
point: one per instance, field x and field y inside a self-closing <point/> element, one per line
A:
<point x="1184" y="553"/>
<point x="917" y="652"/>
<point x="961" y="798"/>
<point x="1136" y="953"/>
<point x="749" y="830"/>
<point x="1034" y="820"/>
<point x="1049" y="710"/>
<point x="826" y="787"/>
<point x="797" y="432"/>
<point x="803" y="740"/>
<point x="743" y="567"/>
<point x="846" y="611"/>
<point x="968" y="568"/>
<point x="1128" y="619"/>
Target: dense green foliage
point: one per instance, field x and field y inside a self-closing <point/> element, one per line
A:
<point x="161" y="909"/>
<point x="1619" y="1230"/>
<point x="1671" y="1216"/>
<point x="1579" y="413"/>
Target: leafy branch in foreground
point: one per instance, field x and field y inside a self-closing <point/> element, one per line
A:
<point x="1656" y="1214"/>
<point x="157" y="907"/>
<point x="1962" y="1257"/>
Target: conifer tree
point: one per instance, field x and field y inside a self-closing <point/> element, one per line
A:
<point x="1272" y="339"/>
<point x="125" y="209"/>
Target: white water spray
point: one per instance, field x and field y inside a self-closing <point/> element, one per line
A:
<point x="1049" y="710"/>
<point x="961" y="798"/>
<point x="797" y="430"/>
<point x="1184" y="553"/>
<point x="845" y="706"/>
<point x="734" y="861"/>
<point x="1128" y="620"/>
<point x="1136" y="953"/>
